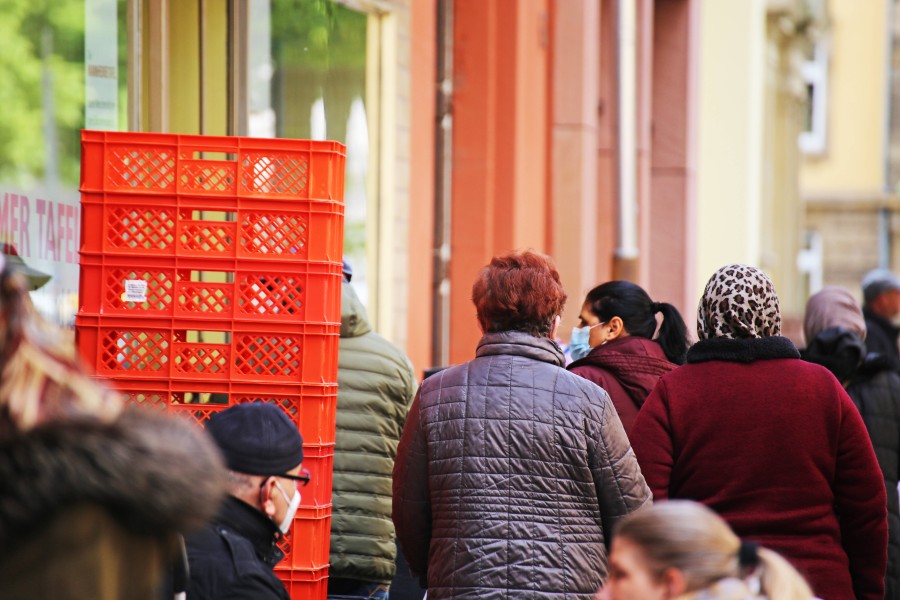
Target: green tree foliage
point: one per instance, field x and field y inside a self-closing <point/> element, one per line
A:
<point x="43" y="46"/>
<point x="318" y="34"/>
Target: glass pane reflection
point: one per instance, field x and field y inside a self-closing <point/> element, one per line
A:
<point x="307" y="78"/>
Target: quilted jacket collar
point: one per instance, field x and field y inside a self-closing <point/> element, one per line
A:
<point x="519" y="343"/>
<point x="743" y="350"/>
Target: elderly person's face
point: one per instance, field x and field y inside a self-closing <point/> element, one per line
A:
<point x="887" y="304"/>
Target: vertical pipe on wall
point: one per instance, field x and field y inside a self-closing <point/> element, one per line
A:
<point x="440" y="344"/>
<point x="238" y="53"/>
<point x="627" y="249"/>
<point x="135" y="64"/>
<point x="201" y="58"/>
<point x="158" y="85"/>
<point x="889" y="115"/>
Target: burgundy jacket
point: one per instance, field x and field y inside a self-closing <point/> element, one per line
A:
<point x="774" y="445"/>
<point x="627" y="368"/>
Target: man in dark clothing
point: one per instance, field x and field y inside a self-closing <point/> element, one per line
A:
<point x="881" y="304"/>
<point x="233" y="557"/>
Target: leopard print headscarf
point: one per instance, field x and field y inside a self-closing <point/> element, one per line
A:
<point x="739" y="302"/>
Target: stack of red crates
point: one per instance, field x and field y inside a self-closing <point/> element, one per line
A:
<point x="211" y="276"/>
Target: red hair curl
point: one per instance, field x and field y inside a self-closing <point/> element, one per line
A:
<point x="518" y="292"/>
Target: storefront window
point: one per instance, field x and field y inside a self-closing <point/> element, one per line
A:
<point x="48" y="54"/>
<point x="307" y="79"/>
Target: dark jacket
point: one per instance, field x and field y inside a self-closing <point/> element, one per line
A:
<point x="881" y="337"/>
<point x="875" y="391"/>
<point x="510" y="475"/>
<point x="90" y="509"/>
<point x="776" y="447"/>
<point x="232" y="558"/>
<point x="627" y="368"/>
<point x="376" y="384"/>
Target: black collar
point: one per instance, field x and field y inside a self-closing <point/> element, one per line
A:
<point x="252" y="524"/>
<point x="743" y="350"/>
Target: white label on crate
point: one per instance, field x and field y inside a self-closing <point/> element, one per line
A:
<point x="135" y="290"/>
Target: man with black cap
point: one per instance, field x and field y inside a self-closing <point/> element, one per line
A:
<point x="881" y="304"/>
<point x="234" y="555"/>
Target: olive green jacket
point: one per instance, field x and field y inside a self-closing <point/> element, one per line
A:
<point x="376" y="385"/>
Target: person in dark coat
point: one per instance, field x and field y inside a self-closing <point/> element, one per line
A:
<point x="616" y="333"/>
<point x="511" y="471"/>
<point x="233" y="557"/>
<point x="772" y="443"/>
<point x="881" y="304"/>
<point x="836" y="331"/>
<point x="93" y="493"/>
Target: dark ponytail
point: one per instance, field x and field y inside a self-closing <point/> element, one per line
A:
<point x="673" y="335"/>
<point x="631" y="303"/>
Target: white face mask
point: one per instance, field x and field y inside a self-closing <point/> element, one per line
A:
<point x="293" y="505"/>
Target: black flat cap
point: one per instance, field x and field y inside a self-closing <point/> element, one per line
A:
<point x="257" y="438"/>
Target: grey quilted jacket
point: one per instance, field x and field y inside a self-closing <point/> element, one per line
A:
<point x="510" y="473"/>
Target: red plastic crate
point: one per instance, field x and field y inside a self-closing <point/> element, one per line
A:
<point x="154" y="163"/>
<point x="307" y="544"/>
<point x="305" y="584"/>
<point x="179" y="287"/>
<point x="245" y="228"/>
<point x="311" y="407"/>
<point x="161" y="348"/>
<point x="319" y="461"/>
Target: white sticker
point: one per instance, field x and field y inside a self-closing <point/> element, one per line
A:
<point x="135" y="290"/>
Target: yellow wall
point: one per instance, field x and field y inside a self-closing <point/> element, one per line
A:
<point x="730" y="136"/>
<point x="184" y="68"/>
<point x="853" y="162"/>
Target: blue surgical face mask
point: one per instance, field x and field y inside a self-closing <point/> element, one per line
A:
<point x="579" y="343"/>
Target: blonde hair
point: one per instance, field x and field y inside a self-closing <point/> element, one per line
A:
<point x="41" y="379"/>
<point x="695" y="540"/>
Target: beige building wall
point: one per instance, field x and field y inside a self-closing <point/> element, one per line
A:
<point x="846" y="204"/>
<point x="853" y="163"/>
<point x="730" y="139"/>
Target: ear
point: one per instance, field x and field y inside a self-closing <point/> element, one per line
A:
<point x="616" y="328"/>
<point x="555" y="327"/>
<point x="675" y="582"/>
<point x="266" y="504"/>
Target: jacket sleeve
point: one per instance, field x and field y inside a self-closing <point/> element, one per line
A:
<point x="861" y="503"/>
<point x="252" y="587"/>
<point x="411" y="501"/>
<point x="652" y="440"/>
<point x="620" y="486"/>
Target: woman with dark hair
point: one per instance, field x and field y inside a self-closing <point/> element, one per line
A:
<point x="615" y="345"/>
<point x="511" y="471"/>
<point x="770" y="442"/>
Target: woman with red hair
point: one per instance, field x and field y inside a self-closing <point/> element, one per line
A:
<point x="511" y="470"/>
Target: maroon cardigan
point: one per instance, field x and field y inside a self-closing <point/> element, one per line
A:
<point x="774" y="445"/>
<point x="627" y="368"/>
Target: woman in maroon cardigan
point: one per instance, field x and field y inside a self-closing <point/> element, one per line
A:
<point x="618" y="351"/>
<point x="770" y="442"/>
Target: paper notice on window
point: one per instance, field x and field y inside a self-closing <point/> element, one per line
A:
<point x="135" y="290"/>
